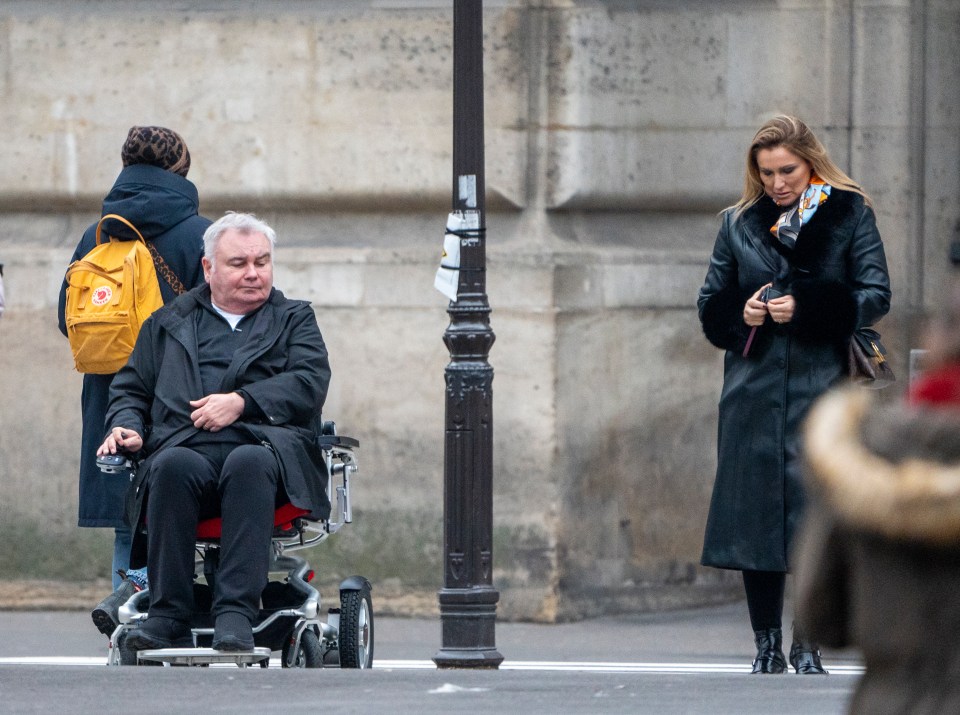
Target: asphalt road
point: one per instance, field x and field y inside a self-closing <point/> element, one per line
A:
<point x="678" y="662"/>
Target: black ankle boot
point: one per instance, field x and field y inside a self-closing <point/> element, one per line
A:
<point x="805" y="659"/>
<point x="105" y="616"/>
<point x="769" y="651"/>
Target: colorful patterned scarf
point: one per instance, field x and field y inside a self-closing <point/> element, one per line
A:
<point x="788" y="226"/>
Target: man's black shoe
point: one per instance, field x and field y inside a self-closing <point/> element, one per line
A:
<point x="105" y="615"/>
<point x="158" y="632"/>
<point x="233" y="633"/>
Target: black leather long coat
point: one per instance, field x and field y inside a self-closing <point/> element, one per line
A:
<point x="837" y="273"/>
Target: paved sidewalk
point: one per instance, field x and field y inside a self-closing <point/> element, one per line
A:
<point x="712" y="635"/>
<point x="547" y="668"/>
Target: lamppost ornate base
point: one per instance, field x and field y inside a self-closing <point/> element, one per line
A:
<point x="468" y="617"/>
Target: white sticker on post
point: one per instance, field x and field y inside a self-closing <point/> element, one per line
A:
<point x="447" y="280"/>
<point x="468" y="190"/>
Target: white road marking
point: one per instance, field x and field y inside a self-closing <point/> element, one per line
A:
<point x="533" y="665"/>
<point x="610" y="667"/>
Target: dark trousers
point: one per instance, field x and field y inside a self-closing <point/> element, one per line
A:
<point x="186" y="485"/>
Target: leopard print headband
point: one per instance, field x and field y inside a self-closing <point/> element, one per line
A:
<point x="157" y="146"/>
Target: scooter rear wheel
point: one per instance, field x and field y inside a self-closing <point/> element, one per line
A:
<point x="356" y="629"/>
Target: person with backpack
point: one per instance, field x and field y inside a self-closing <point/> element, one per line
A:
<point x="151" y="199"/>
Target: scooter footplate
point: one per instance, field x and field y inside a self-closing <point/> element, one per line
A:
<point x="204" y="656"/>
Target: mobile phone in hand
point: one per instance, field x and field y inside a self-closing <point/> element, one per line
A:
<point x="769" y="293"/>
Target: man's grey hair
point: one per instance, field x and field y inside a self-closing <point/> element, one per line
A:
<point x="244" y="223"/>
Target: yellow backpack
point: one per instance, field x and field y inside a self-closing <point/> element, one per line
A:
<point x="110" y="292"/>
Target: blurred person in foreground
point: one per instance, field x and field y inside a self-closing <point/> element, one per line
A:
<point x="797" y="267"/>
<point x="878" y="560"/>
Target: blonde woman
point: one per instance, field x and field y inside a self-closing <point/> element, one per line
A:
<point x="797" y="267"/>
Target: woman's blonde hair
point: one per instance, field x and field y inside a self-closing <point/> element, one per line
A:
<point x="791" y="133"/>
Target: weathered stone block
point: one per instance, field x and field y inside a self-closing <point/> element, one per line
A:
<point x="615" y="133"/>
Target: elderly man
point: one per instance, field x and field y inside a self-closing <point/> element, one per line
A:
<point x="220" y="394"/>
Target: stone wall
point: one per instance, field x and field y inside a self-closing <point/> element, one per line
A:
<point x="615" y="132"/>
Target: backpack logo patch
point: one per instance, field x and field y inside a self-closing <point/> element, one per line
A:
<point x="101" y="295"/>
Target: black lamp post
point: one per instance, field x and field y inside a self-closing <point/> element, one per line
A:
<point x="468" y="600"/>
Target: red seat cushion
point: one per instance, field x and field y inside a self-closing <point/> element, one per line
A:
<point x="282" y="517"/>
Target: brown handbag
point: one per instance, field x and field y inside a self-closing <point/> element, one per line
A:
<point x="867" y="360"/>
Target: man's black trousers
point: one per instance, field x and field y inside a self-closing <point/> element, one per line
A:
<point x="189" y="484"/>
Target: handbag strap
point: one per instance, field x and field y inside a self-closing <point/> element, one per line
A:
<point x="165" y="270"/>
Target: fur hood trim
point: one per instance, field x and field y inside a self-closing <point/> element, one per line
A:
<point x="914" y="499"/>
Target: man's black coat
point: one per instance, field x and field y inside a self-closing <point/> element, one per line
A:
<point x="282" y="367"/>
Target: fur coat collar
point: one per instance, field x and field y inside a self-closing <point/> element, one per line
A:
<point x="891" y="472"/>
<point x="839" y="214"/>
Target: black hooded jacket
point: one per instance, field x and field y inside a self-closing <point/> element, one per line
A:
<point x="164" y="208"/>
